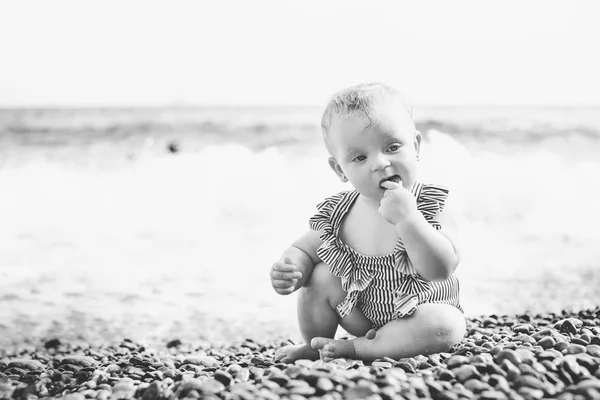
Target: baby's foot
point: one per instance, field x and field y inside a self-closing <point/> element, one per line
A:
<point x="289" y="354"/>
<point x="331" y="348"/>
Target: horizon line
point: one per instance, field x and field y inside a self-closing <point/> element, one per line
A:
<point x="281" y="106"/>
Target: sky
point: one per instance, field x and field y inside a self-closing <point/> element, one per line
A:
<point x="278" y="52"/>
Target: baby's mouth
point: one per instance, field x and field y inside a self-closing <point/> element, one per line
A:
<point x="393" y="178"/>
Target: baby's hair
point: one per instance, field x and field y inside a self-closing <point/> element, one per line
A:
<point x="359" y="100"/>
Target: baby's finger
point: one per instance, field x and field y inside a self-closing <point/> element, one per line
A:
<point x="286" y="275"/>
<point x="391" y="185"/>
<point x="281" y="266"/>
<point x="284" y="283"/>
<point x="284" y="291"/>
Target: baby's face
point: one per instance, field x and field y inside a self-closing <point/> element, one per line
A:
<point x="367" y="155"/>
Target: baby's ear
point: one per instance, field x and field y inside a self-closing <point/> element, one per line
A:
<point x="417" y="140"/>
<point x="335" y="166"/>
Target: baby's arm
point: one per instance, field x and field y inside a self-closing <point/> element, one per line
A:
<point x="433" y="253"/>
<point x="300" y="257"/>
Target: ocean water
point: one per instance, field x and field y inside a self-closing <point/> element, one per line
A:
<point x="104" y="232"/>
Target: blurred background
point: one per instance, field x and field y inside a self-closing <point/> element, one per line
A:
<point x="156" y="158"/>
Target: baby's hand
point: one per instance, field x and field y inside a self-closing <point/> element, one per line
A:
<point x="284" y="276"/>
<point x="397" y="203"/>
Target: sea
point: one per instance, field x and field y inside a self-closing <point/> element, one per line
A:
<point x="163" y="223"/>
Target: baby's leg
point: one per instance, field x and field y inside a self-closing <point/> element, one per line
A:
<point x="432" y="328"/>
<point x="317" y="316"/>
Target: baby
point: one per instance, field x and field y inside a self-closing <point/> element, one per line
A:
<point x="379" y="259"/>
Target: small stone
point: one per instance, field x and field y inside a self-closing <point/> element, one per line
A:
<point x="476" y="386"/>
<point x="31" y="365"/>
<point x="523" y="328"/>
<point x="279" y="377"/>
<point x="446" y="395"/>
<point x="324" y="385"/>
<point x="492" y="395"/>
<point x="381" y="364"/>
<point x="124" y="389"/>
<point x="173" y="343"/>
<point x="82" y="361"/>
<point x="585" y="385"/>
<point x="74" y="396"/>
<point x="549" y="354"/>
<point x="509" y="355"/>
<point x="575" y="349"/>
<point x="243" y="375"/>
<point x="547" y="342"/>
<point x="406" y="367"/>
<point x="223" y="377"/>
<point x="560" y="346"/>
<point x="212" y="386"/>
<point x="529" y="393"/>
<point x="358" y="393"/>
<point x="456" y="361"/>
<point x="396" y="374"/>
<point x="524" y="338"/>
<point x="593" y="350"/>
<point x="511" y="370"/>
<point x="434" y="359"/>
<point x="528" y="381"/>
<point x="571" y="366"/>
<point x="466" y="372"/>
<point x="527" y="355"/>
<point x="52" y="344"/>
<point x="234" y="369"/>
<point x="446" y="375"/>
<point x="206" y="361"/>
<point x="152" y="392"/>
<point x="566" y="326"/>
<point x="303" y="390"/>
<point x="580" y="341"/>
<point x="543" y="333"/>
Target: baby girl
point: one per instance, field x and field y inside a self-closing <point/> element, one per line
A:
<point x="379" y="259"/>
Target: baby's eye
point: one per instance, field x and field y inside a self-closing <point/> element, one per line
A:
<point x="359" y="158"/>
<point x="394" y="147"/>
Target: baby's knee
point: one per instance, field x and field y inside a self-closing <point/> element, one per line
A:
<point x="445" y="325"/>
<point x="323" y="283"/>
<point x="320" y="277"/>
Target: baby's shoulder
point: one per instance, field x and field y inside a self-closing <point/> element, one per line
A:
<point x="330" y="202"/>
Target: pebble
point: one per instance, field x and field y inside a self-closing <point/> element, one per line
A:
<point x="466" y="372"/>
<point x="593" y="350"/>
<point x="224" y="377"/>
<point x="492" y="395"/>
<point x="509" y="355"/>
<point x="324" y="385"/>
<point x="31" y="365"/>
<point x="575" y="349"/>
<point x="82" y="361"/>
<point x="456" y="361"/>
<point x="547" y="342"/>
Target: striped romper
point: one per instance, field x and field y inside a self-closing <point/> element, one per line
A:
<point x="384" y="287"/>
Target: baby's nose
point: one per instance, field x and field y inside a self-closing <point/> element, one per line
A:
<point x="380" y="162"/>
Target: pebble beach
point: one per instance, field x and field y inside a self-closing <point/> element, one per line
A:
<point x="136" y="246"/>
<point x="524" y="356"/>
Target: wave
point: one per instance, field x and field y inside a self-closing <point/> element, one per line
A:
<point x="262" y="128"/>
